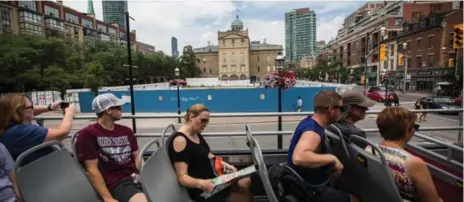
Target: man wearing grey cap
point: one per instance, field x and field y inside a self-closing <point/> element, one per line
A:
<point x="110" y="153"/>
<point x="356" y="105"/>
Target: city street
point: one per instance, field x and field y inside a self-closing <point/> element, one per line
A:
<point x="237" y="124"/>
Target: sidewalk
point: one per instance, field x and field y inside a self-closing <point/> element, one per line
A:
<point x="419" y="94"/>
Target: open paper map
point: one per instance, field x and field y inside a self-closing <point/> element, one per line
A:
<point x="224" y="181"/>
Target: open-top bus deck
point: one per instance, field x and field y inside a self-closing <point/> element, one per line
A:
<point x="59" y="177"/>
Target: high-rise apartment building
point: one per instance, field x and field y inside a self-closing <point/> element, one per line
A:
<point x="174" y="50"/>
<point x="113" y="12"/>
<point x="300" y="34"/>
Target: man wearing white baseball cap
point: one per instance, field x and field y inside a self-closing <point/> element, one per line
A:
<point x="110" y="153"/>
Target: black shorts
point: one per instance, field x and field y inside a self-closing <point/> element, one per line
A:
<point x="330" y="194"/>
<point x="125" y="190"/>
<point x="222" y="196"/>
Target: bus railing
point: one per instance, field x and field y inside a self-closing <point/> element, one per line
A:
<point x="223" y="115"/>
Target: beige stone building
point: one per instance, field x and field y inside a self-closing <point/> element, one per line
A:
<point x="236" y="57"/>
<point x="308" y="62"/>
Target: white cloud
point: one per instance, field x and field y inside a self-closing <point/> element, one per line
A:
<point x="157" y="21"/>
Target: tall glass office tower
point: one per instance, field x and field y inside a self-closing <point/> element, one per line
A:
<point x="300" y="34"/>
<point x="113" y="12"/>
<point x="174" y="51"/>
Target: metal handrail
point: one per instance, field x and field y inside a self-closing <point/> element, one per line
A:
<point x="255" y="114"/>
<point x="436" y="141"/>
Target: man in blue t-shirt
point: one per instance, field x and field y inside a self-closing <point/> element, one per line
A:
<point x="308" y="154"/>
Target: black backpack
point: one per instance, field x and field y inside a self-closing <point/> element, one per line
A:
<point x="288" y="186"/>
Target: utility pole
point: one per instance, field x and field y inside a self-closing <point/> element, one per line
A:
<point x="131" y="81"/>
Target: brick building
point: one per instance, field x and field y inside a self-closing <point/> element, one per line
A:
<point x="53" y="19"/>
<point x="429" y="48"/>
<point x="361" y="34"/>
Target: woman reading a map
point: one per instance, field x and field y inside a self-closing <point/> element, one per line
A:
<point x="192" y="157"/>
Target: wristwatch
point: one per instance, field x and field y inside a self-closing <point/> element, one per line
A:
<point x="49" y="107"/>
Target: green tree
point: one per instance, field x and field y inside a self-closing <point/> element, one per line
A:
<point x="187" y="64"/>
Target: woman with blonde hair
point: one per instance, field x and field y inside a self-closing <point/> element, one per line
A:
<point x="410" y="173"/>
<point x="191" y="156"/>
<point x="17" y="132"/>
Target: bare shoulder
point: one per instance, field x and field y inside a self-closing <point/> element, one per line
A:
<point x="415" y="163"/>
<point x="310" y="135"/>
<point x="179" y="143"/>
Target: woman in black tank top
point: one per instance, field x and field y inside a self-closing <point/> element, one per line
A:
<point x="192" y="156"/>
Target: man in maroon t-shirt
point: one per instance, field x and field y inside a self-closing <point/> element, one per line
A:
<point x="110" y="153"/>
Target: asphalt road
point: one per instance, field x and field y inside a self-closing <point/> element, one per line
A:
<point x="145" y="126"/>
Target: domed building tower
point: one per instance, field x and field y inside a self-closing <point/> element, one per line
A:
<point x="237" y="24"/>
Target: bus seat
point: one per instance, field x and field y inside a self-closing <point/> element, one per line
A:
<point x="159" y="179"/>
<point x="163" y="134"/>
<point x="74" y="147"/>
<point x="261" y="165"/>
<point x="372" y="175"/>
<point x="54" y="177"/>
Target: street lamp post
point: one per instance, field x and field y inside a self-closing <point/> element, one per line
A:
<point x="387" y="52"/>
<point x="177" y="74"/>
<point x="129" y="60"/>
<point x="405" y="46"/>
<point x="279" y="64"/>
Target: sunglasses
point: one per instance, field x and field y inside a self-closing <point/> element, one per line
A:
<point x="416" y="127"/>
<point x="204" y="121"/>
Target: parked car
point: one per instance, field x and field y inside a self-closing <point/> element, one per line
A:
<point x="377" y="93"/>
<point x="458" y="100"/>
<point x="440" y="102"/>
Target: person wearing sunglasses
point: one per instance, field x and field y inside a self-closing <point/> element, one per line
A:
<point x="309" y="155"/>
<point x="17" y="132"/>
<point x="355" y="107"/>
<point x="110" y="153"/>
<point x="192" y="158"/>
<point x="410" y="173"/>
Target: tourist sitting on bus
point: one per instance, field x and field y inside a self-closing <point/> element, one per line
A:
<point x="191" y="156"/>
<point x="9" y="189"/>
<point x="110" y="153"/>
<point x="356" y="105"/>
<point x="396" y="126"/>
<point x="308" y="154"/>
<point x="18" y="134"/>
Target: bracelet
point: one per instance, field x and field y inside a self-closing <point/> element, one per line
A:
<point x="49" y="108"/>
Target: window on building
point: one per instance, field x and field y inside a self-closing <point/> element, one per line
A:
<point x="430" y="60"/>
<point x="233" y="42"/>
<point x="27" y="28"/>
<point x="259" y="69"/>
<point x="419" y="62"/>
<point x="5" y="26"/>
<point x="232" y="57"/>
<point x="430" y="41"/>
<point x="101" y="28"/>
<point x="398" y="21"/>
<point x="54" y="23"/>
<point x="204" y="70"/>
<point x="232" y="68"/>
<point x="224" y="42"/>
<point x="112" y="32"/>
<point x="30" y="17"/>
<point x="419" y="42"/>
<point x="224" y="68"/>
<point x="51" y="11"/>
<point x="71" y="18"/>
<point x="243" y="40"/>
<point x="31" y="5"/>
<point x="86" y="23"/>
<point x="210" y="70"/>
<point x="409" y="62"/>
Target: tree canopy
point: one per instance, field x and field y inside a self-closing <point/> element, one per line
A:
<point x="30" y="63"/>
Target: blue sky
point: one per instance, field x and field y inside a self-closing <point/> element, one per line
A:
<point x="197" y="22"/>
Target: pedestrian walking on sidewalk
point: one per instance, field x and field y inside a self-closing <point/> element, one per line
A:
<point x="299" y="104"/>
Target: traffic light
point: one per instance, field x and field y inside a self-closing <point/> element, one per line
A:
<point x="451" y="62"/>
<point x="457" y="36"/>
<point x="401" y="59"/>
<point x="383" y="53"/>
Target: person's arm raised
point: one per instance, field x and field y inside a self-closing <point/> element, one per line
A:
<point x="420" y="176"/>
<point x="304" y="154"/>
<point x="63" y="130"/>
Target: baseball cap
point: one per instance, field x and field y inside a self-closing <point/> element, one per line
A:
<point x="105" y="101"/>
<point x="357" y="98"/>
